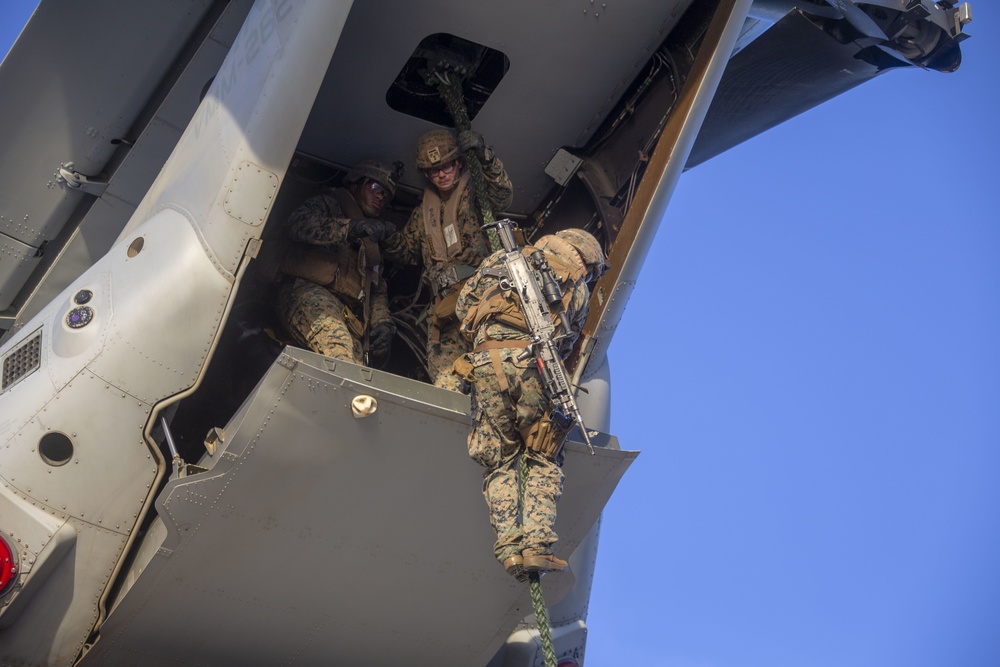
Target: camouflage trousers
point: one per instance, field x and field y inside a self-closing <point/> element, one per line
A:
<point x="499" y="417"/>
<point x="444" y="345"/>
<point x="314" y="316"/>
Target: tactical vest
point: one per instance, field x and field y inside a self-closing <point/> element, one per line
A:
<point x="341" y="269"/>
<point x="502" y="306"/>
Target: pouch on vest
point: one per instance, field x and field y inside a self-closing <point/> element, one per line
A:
<point x="463" y="368"/>
<point x="340" y="269"/>
<point x="544" y="437"/>
<point x="497" y="305"/>
<point x="444" y="308"/>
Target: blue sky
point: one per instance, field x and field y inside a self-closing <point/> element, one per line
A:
<point x="810" y="366"/>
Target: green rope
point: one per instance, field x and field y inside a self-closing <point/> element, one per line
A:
<point x="542" y="619"/>
<point x="450" y="89"/>
<point x="535" y="584"/>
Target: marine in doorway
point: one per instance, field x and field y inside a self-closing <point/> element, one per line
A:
<point x="512" y="435"/>
<point x="445" y="234"/>
<point x="335" y="301"/>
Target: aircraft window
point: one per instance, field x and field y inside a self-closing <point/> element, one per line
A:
<point x="415" y="92"/>
<point x="55" y="449"/>
<point x="135" y="247"/>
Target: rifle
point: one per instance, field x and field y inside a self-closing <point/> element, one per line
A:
<point x="539" y="295"/>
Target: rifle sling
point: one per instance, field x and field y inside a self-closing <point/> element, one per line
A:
<point x="501" y="345"/>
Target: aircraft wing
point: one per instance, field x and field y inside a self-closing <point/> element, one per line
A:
<point x="791" y="68"/>
<point x="377" y="526"/>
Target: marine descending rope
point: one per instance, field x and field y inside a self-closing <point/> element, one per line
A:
<point x="450" y="89"/>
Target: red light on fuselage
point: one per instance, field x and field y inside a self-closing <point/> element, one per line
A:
<point x="567" y="663"/>
<point x="8" y="565"/>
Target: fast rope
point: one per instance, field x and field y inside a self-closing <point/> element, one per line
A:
<point x="450" y="89"/>
<point x="535" y="583"/>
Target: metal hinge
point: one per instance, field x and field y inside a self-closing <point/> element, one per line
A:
<point x="75" y="180"/>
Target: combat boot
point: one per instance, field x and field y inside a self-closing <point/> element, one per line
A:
<point x="543" y="563"/>
<point x="513" y="563"/>
<point x="515" y="567"/>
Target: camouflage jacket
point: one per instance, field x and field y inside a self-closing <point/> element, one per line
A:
<point x="322" y="221"/>
<point x="411" y="246"/>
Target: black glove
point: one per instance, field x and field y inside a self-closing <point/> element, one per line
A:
<point x="470" y="140"/>
<point x="380" y="340"/>
<point x="375" y="229"/>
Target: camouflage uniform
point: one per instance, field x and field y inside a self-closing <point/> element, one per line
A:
<point x="312" y="313"/>
<point x="411" y="246"/>
<point x="501" y="414"/>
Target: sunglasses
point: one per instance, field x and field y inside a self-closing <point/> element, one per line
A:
<point x="377" y="188"/>
<point x="446" y="168"/>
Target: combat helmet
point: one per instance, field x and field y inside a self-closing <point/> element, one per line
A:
<point x="576" y="245"/>
<point x="435" y="148"/>
<point x="376" y="171"/>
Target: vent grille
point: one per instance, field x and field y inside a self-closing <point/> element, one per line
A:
<point x="22" y="362"/>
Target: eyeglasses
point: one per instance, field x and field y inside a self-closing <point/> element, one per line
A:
<point x="445" y="168"/>
<point x="377" y="188"/>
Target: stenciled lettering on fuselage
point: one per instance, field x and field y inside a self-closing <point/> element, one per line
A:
<point x="258" y="37"/>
